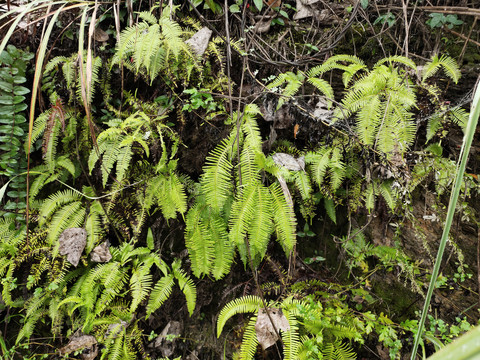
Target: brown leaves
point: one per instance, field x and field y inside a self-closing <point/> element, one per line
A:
<point x="267" y="327"/>
<point x="86" y="342"/>
<point x="72" y="242"/>
<point x="199" y="41"/>
<point x="101" y="253"/>
<point x="289" y="162"/>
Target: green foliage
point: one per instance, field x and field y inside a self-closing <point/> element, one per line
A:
<point x="71" y="74"/>
<point x="13" y="130"/>
<point x="150" y="46"/>
<point x="317" y="329"/>
<point x="240" y="200"/>
<point x="438" y="20"/>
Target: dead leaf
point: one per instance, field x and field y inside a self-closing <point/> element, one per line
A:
<point x="289" y="162"/>
<point x="264" y="327"/>
<point x="101" y="253"/>
<point x="100" y="35"/>
<point x="72" y="242"/>
<point x="80" y="342"/>
<point x="263" y="26"/>
<point x="165" y="342"/>
<point x="322" y="112"/>
<point x="303" y="11"/>
<point x="286" y="192"/>
<point x="199" y="41"/>
<point x="114" y="330"/>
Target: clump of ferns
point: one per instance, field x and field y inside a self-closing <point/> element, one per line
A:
<point x="155" y="47"/>
<point x="382" y="99"/>
<point x="315" y="331"/>
<point x="44" y="277"/>
<point x="234" y="207"/>
<point x="112" y="293"/>
<point x="69" y="68"/>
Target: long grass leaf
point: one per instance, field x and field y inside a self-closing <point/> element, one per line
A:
<point x="36" y="81"/>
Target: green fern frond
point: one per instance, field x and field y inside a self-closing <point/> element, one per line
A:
<point x="161" y="291"/>
<point x="55" y="201"/>
<point x="223" y="250"/>
<point x="113" y="278"/>
<point x="337" y="169"/>
<point x="140" y="285"/>
<point x="39" y="126"/>
<point x="302" y="183"/>
<point x="245" y="304"/>
<point x="67" y="164"/>
<point x="448" y="64"/>
<point x="319" y="161"/>
<point x="434" y="124"/>
<point x="283" y="218"/>
<point x="69" y="216"/>
<point x="93" y="225"/>
<point x="329" y="205"/>
<point x="217" y="180"/>
<point x="198" y="240"/>
<point x="249" y="341"/>
<point x="350" y="71"/>
<point x="334" y="63"/>
<point x="459" y="116"/>
<point x="29" y="326"/>
<point x="291" y="339"/>
<point x="388" y="193"/>
<point x="344" y="351"/>
<point x="186" y="285"/>
<point x="241" y="216"/>
<point x="261" y="226"/>
<point x="249" y="169"/>
<point x="293" y="82"/>
<point x="324" y="87"/>
<point x="370" y="197"/>
<point x="172" y="32"/>
<point x="124" y="156"/>
<point x="396" y="59"/>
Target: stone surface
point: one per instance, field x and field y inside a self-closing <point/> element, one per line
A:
<point x="72" y="242"/>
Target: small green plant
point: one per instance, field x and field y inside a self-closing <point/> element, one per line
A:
<point x="387" y="18"/>
<point x="13" y="131"/>
<point x="199" y="99"/>
<point x="438" y="20"/>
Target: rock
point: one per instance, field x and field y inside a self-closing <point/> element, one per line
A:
<point x="267" y="327"/>
<point x="289" y="162"/>
<point x="72" y="242"/>
<point x="101" y="253"/>
<point x="165" y="342"/>
<point x="199" y="41"/>
<point x="86" y="342"/>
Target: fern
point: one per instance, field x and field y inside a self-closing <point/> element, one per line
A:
<point x="293" y="82"/>
<point x="71" y="74"/>
<point x="291" y="338"/>
<point x="62" y="210"/>
<point x="150" y="45"/>
<point x="283" y="218"/>
<point x="161" y="291"/>
<point x="140" y="285"/>
<point x="249" y="341"/>
<point x="244" y="304"/>
<point x="334" y="62"/>
<point x="216" y="181"/>
<point x="448" y="64"/>
<point x="186" y="285"/>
